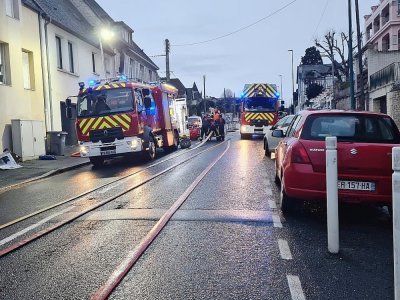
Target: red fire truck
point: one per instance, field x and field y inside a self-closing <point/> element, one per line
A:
<point x="259" y="109"/>
<point x="123" y="117"/>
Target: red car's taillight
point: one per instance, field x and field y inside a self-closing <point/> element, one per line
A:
<point x="299" y="154"/>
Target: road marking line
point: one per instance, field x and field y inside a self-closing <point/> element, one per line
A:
<point x="272" y="204"/>
<point x="19" y="233"/>
<point x="284" y="249"/>
<point x="296" y="291"/>
<point x="277" y="221"/>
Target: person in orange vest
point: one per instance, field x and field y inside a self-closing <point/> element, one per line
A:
<point x="216" y="114"/>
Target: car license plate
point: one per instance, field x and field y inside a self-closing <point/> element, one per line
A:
<point x="108" y="152"/>
<point x="356" y="185"/>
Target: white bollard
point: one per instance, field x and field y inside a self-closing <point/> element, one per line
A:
<point x="396" y="221"/>
<point x="332" y="195"/>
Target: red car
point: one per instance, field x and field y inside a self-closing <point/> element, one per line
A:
<point x="364" y="149"/>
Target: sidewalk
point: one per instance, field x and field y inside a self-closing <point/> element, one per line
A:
<point x="36" y="169"/>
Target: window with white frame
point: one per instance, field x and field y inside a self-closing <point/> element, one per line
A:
<point x="150" y="74"/>
<point x="12" y="8"/>
<point x="27" y="70"/>
<point x="5" y="75"/>
<point x="141" y="73"/>
<point x="398" y="7"/>
<point x="131" y="68"/>
<point x="107" y="66"/>
<point x="71" y="57"/>
<point x="94" y="62"/>
<point x="59" y="52"/>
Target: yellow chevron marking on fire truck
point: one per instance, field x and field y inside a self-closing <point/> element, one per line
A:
<point x="105" y="125"/>
<point x="115" y="85"/>
<point x="123" y="84"/>
<point x="122" y="122"/>
<point x="259" y="116"/>
<point x="126" y="117"/>
<point x="254" y="89"/>
<point x="89" y="122"/>
<point x="107" y="87"/>
<point x="98" y="121"/>
<point x="111" y="121"/>
<point x="82" y="123"/>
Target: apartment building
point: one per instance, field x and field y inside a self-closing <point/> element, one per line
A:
<point x="382" y="28"/>
<point x="21" y="84"/>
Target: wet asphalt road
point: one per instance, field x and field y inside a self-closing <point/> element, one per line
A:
<point x="221" y="244"/>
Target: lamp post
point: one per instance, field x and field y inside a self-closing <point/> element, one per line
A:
<point x="292" y="104"/>
<point x="106" y="35"/>
<point x="281" y="95"/>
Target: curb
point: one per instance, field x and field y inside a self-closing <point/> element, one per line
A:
<point x="45" y="175"/>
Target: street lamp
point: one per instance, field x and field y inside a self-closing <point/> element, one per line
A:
<point x="106" y="35"/>
<point x="292" y="104"/>
<point x="281" y="97"/>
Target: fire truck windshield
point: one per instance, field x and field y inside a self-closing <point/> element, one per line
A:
<point x="260" y="103"/>
<point x="105" y="102"/>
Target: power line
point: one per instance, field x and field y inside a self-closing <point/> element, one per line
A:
<point x="238" y="30"/>
<point x="320" y="20"/>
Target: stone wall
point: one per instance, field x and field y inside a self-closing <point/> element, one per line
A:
<point x="394" y="106"/>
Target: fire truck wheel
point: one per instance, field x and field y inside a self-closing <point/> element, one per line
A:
<point x="97" y="161"/>
<point x="176" y="141"/>
<point x="151" y="152"/>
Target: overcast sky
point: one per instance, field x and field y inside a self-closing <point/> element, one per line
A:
<point x="256" y="54"/>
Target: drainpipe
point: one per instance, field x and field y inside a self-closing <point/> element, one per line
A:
<point x="45" y="72"/>
<point x="44" y="20"/>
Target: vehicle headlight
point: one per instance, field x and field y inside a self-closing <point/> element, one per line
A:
<point x="133" y="144"/>
<point x="242" y="128"/>
<point x="84" y="149"/>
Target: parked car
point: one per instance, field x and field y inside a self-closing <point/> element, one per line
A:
<point x="270" y="142"/>
<point x="195" y="121"/>
<point x="364" y="149"/>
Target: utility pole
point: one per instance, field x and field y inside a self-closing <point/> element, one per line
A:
<point x="167" y="50"/>
<point x="362" y="102"/>
<point x="291" y="107"/>
<point x="333" y="103"/>
<point x="281" y="93"/>
<point x="204" y="94"/>
<point x="351" y="74"/>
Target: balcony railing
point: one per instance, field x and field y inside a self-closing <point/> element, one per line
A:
<point x="385" y="76"/>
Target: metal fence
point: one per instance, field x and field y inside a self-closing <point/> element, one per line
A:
<point x="385" y="76"/>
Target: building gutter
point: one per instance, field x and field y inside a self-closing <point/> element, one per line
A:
<point x="44" y="20"/>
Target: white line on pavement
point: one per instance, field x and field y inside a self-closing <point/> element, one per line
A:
<point x="284" y="249"/>
<point x="19" y="233"/>
<point x="295" y="287"/>
<point x="277" y="221"/>
<point x="272" y="204"/>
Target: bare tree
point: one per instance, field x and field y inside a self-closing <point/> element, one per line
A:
<point x="227" y="93"/>
<point x="332" y="46"/>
